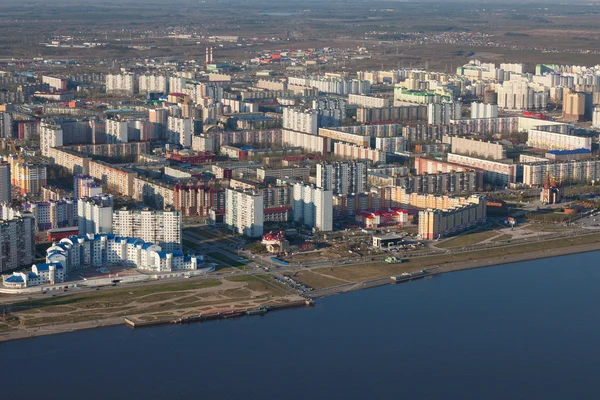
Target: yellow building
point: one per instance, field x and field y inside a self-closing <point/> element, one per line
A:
<point x="435" y="223"/>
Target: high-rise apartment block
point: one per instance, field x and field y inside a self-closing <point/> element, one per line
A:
<point x="518" y="95"/>
<point x="17" y="242"/>
<point x="5" y="183"/>
<point x="596" y="117"/>
<point x="28" y="177"/>
<point x="51" y="135"/>
<point x="313" y="207"/>
<point x="160" y="227"/>
<point x="120" y="84"/>
<point x="574" y="107"/>
<point x="306" y="121"/>
<point x="116" y="131"/>
<point x="342" y="177"/>
<point x="94" y="214"/>
<point x="153" y="84"/>
<point x="482" y="110"/>
<point x="244" y="212"/>
<point x="443" y="113"/>
<point x="179" y="131"/>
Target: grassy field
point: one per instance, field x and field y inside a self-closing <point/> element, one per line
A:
<point x="546" y="228"/>
<point x="261" y="283"/>
<point x="225" y="260"/>
<point x="467" y="239"/>
<point x="318" y="280"/>
<point x="110" y="298"/>
<point x="189" y="244"/>
<point x="502" y="238"/>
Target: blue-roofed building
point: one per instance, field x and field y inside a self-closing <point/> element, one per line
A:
<point x="40" y="274"/>
<point x="568" y="155"/>
<point x="102" y="250"/>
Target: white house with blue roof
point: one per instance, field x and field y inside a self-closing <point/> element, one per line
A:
<point x="41" y="274"/>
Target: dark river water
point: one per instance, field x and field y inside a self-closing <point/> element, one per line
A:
<point x="527" y="330"/>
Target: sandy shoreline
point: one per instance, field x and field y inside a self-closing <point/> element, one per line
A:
<point x="461" y="266"/>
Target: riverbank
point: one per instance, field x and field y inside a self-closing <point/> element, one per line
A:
<point x="433" y="264"/>
<point x="463" y="266"/>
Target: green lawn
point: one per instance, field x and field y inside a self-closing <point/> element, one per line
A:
<point x="129" y="293"/>
<point x="225" y="260"/>
<point x="467" y="239"/>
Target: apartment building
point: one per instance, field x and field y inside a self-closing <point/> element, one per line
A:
<point x="305" y="121"/>
<point x="494" y="172"/>
<point x="112" y="177"/>
<point x="436" y="223"/>
<point x="244" y="212"/>
<point x="342" y="177"/>
<point x="116" y="131"/>
<point x="123" y="84"/>
<point x="478" y="148"/>
<point x="77" y="252"/>
<point x="588" y="171"/>
<point x="179" y="131"/>
<point x="17" y="242"/>
<point x="94" y="214"/>
<point x="160" y="227"/>
<point x="153" y="84"/>
<point x="5" y="183"/>
<point x="51" y="135"/>
<point x="85" y="186"/>
<point x="53" y="214"/>
<point x="313" y="207"/>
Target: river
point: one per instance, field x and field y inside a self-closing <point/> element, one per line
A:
<point x="528" y="330"/>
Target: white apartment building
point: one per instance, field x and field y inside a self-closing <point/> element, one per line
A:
<point x="313" y="207"/>
<point x="244" y="212"/>
<point x="153" y="84"/>
<point x="346" y="177"/>
<point x="160" y="227"/>
<point x="391" y="144"/>
<point x="55" y="83"/>
<point x="306" y="121"/>
<point x="544" y="139"/>
<point x="177" y="84"/>
<point x="534" y="174"/>
<point x="179" y="131"/>
<point x="120" y="84"/>
<point x="5" y="182"/>
<point x="518" y="95"/>
<point x="482" y="110"/>
<point x="51" y="135"/>
<point x="443" y="113"/>
<point x="368" y="101"/>
<point x="94" y="214"/>
<point x="205" y="142"/>
<point x="17" y="242"/>
<point x="596" y="117"/>
<point x="116" y="131"/>
<point x="334" y="85"/>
